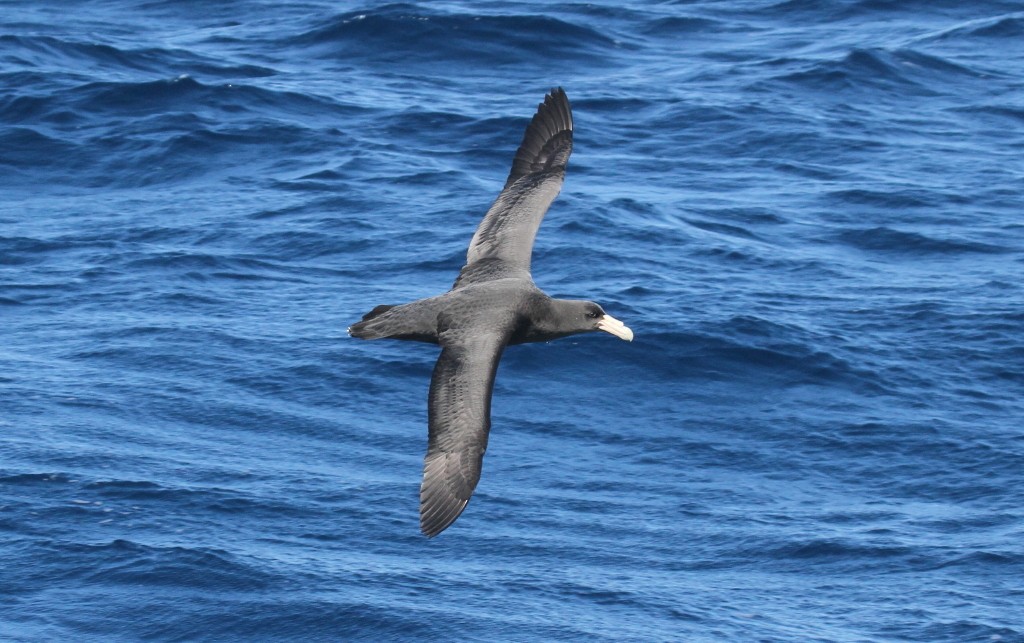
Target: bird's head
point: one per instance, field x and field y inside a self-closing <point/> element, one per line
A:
<point x="593" y="317"/>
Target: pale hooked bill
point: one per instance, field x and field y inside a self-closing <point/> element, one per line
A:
<point x="611" y="325"/>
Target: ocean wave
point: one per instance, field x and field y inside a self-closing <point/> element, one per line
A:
<point x="1002" y="113"/>
<point x="108" y="59"/>
<point x="902" y="197"/>
<point x="414" y="34"/>
<point x="903" y="71"/>
<point x="886" y="239"/>
<point x="186" y="94"/>
<point x="179" y="130"/>
<point x="845" y="551"/>
<point x="682" y="25"/>
<point x="1004" y="27"/>
<point x="125" y="561"/>
<point x="859" y="9"/>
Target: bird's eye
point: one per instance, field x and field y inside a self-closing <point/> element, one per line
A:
<point x="593" y="315"/>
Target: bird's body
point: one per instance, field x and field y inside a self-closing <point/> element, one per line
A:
<point x="493" y="303"/>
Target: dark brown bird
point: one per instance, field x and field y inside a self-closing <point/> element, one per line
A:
<point x="493" y="303"/>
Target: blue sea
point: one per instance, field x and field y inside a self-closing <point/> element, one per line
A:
<point x="811" y="214"/>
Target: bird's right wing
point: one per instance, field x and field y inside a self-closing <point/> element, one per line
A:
<point x="538" y="170"/>
<point x="459" y="411"/>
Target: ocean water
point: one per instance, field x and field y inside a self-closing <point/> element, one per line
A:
<point x="810" y="213"/>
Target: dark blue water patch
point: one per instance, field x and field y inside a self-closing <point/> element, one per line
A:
<point x="723" y="254"/>
<point x="1004" y="28"/>
<point x="160" y="234"/>
<point x="40" y="48"/>
<point x="121" y="561"/>
<point x="873" y="69"/>
<point x="305" y="245"/>
<point x="25" y="250"/>
<point x="229" y="616"/>
<point x="327" y="212"/>
<point x="178" y="131"/>
<point x="806" y="170"/>
<point x="322" y="181"/>
<point x="999" y="115"/>
<point x="111" y="505"/>
<point x="791" y="364"/>
<point x="949" y="7"/>
<point x="839" y="552"/>
<point x="134" y="160"/>
<point x="175" y="566"/>
<point x="723" y="228"/>
<point x="902" y="197"/>
<point x="860" y="10"/>
<point x="952" y="465"/>
<point x="881" y="72"/>
<point x="26" y="149"/>
<point x="413" y="34"/>
<point x="101" y="58"/>
<point x="885" y="239"/>
<point x="19" y="109"/>
<point x="312" y="383"/>
<point x="129" y="490"/>
<point x="35" y="478"/>
<point x="157" y="96"/>
<point x="647" y="223"/>
<point x="201" y="266"/>
<point x="1000" y="561"/>
<point x="961" y="629"/>
<point x="758" y="134"/>
<point x="817" y="9"/>
<point x="714" y="120"/>
<point x="187" y="95"/>
<point x="688" y="26"/>
<point x="932" y="69"/>
<point x="34" y="89"/>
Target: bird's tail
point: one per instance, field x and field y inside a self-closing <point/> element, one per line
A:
<point x="366" y="329"/>
<point x="416" y="321"/>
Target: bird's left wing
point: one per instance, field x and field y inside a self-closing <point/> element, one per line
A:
<point x="510" y="226"/>
<point x="459" y="410"/>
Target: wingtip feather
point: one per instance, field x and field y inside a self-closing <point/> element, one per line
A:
<point x="547" y="141"/>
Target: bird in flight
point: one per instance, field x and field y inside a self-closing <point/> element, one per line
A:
<point x="493" y="303"/>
